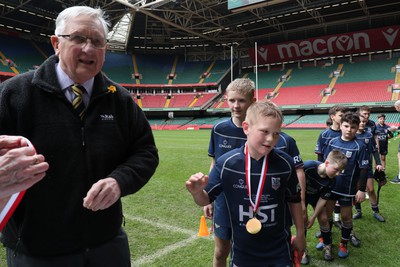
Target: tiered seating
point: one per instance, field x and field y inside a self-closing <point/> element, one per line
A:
<point x="206" y="123"/>
<point x="219" y="68"/>
<point x="176" y="123"/>
<point x="310" y="121"/>
<point x="203" y="99"/>
<point x="181" y="100"/>
<point x="266" y="79"/>
<point x="154" y="68"/>
<point x="190" y="72"/>
<point x="372" y="91"/>
<point x="365" y="70"/>
<point x="119" y="67"/>
<point x="310" y="75"/>
<point x="289" y="119"/>
<point x="22" y="52"/>
<point x="220" y="103"/>
<point x="153" y="101"/>
<point x="300" y="95"/>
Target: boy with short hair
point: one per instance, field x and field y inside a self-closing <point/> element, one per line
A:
<point x="384" y="134"/>
<point x="320" y="178"/>
<point x="370" y="125"/>
<point x="225" y="136"/>
<point x="335" y="115"/>
<point x="353" y="177"/>
<point x="372" y="151"/>
<point x="396" y="179"/>
<point x="258" y="181"/>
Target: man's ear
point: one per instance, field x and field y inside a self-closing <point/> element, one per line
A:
<point x="55" y="42"/>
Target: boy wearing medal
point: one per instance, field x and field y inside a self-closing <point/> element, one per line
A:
<point x="345" y="189"/>
<point x="225" y="136"/>
<point x="258" y="181"/>
<point x="320" y="178"/>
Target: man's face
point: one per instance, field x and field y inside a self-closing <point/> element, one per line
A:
<point x="80" y="62"/>
<point x="381" y="120"/>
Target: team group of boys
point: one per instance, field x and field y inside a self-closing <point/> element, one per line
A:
<point x="260" y="187"/>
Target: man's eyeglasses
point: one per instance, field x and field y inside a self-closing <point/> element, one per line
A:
<point x="77" y="39"/>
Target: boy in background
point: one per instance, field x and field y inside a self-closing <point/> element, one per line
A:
<point x="396" y="179"/>
<point x="372" y="151"/>
<point x="370" y="125"/>
<point x="225" y="136"/>
<point x="384" y="134"/>
<point x="257" y="193"/>
<point x="335" y="115"/>
<point x="320" y="178"/>
<point x="354" y="176"/>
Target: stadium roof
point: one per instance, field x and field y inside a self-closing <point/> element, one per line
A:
<point x="205" y="28"/>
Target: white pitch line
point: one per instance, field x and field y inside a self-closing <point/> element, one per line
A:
<point x="161" y="225"/>
<point x="164" y="251"/>
<point x="323" y="263"/>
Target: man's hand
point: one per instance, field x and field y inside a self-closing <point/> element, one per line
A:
<point x="102" y="195"/>
<point x="20" y="166"/>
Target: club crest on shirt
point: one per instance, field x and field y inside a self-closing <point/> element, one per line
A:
<point x="276" y="183"/>
<point x="348" y="154"/>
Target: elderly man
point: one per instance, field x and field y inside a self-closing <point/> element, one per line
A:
<point x="97" y="141"/>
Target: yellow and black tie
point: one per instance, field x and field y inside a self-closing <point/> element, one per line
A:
<point x="77" y="102"/>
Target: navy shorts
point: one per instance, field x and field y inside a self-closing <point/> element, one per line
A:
<point x="383" y="148"/>
<point x="222" y="232"/>
<point x="221" y="220"/>
<point x="312" y="200"/>
<point x="344" y="201"/>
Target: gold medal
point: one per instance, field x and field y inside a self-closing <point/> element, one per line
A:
<point x="253" y="226"/>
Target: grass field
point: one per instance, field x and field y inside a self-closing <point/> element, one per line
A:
<point x="162" y="220"/>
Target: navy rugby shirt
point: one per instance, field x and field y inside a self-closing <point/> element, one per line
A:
<point x="272" y="244"/>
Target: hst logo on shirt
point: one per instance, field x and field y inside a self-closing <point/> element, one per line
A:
<point x="266" y="214"/>
<point x="348" y="154"/>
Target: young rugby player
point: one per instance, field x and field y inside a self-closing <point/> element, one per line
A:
<point x="259" y="183"/>
<point x="372" y="151"/>
<point x="225" y="136"/>
<point x="320" y="178"/>
<point x="384" y="134"/>
<point x="353" y="177"/>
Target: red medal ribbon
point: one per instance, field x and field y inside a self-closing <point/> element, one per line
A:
<point x="261" y="182"/>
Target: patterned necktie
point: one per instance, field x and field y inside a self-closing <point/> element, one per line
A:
<point x="77" y="102"/>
